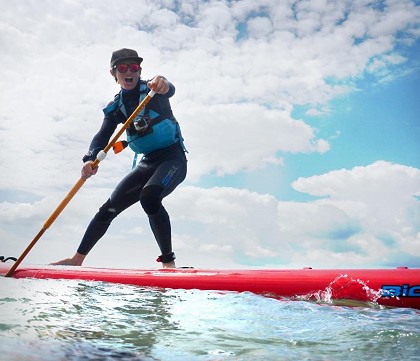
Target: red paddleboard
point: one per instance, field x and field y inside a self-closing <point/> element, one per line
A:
<point x="399" y="287"/>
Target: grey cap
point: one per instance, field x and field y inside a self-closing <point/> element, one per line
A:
<point x="124" y="54"/>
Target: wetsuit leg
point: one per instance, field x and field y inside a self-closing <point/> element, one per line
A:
<point x="97" y="227"/>
<point x="125" y="194"/>
<point x="165" y="179"/>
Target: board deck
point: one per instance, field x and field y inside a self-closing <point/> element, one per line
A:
<point x="399" y="287"/>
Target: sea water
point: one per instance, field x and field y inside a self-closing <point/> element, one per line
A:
<point x="74" y="320"/>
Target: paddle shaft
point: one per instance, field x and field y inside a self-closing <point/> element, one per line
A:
<point x="101" y="156"/>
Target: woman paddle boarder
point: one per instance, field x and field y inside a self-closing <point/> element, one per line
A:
<point x="155" y="133"/>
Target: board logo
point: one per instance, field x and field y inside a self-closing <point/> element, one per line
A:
<point x="400" y="291"/>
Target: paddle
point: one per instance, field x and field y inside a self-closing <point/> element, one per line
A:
<point x="100" y="157"/>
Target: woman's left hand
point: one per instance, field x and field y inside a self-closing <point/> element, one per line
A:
<point x="158" y="84"/>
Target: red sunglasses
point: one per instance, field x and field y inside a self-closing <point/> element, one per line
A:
<point x="122" y="68"/>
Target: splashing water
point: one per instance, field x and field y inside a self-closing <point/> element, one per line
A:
<point x="342" y="290"/>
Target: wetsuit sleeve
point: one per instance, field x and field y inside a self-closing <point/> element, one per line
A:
<point x="160" y="102"/>
<point x="171" y="90"/>
<point x="101" y="139"/>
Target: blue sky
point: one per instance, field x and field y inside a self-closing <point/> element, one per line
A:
<point x="378" y="121"/>
<point x="300" y="117"/>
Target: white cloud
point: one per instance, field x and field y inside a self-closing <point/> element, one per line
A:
<point x="378" y="205"/>
<point x="285" y="62"/>
<point x="229" y="138"/>
<point x="237" y="227"/>
<point x="351" y="228"/>
<point x="365" y="183"/>
<point x="259" y="26"/>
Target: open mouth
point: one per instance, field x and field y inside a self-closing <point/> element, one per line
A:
<point x="128" y="80"/>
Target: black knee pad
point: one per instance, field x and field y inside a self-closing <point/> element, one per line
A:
<point x="150" y="199"/>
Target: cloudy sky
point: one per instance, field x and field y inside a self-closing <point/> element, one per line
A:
<point x="301" y="119"/>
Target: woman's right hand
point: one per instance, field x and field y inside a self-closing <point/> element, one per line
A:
<point x="88" y="170"/>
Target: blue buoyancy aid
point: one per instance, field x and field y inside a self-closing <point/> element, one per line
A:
<point x="150" y="131"/>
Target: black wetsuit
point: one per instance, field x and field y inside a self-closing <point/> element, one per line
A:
<point x="157" y="175"/>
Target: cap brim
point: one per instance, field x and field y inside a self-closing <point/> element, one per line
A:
<point x="137" y="59"/>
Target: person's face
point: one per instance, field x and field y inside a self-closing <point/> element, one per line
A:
<point x="127" y="74"/>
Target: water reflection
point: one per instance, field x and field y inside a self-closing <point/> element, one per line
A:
<point x="120" y="317"/>
<point x="73" y="320"/>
